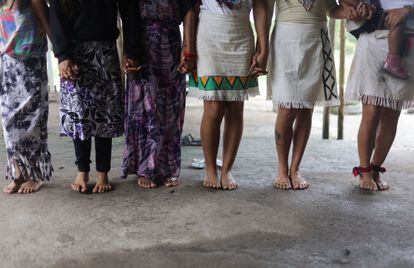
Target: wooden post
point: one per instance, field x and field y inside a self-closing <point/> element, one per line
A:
<point x="327" y="110"/>
<point x="341" y="81"/>
<point x="50" y="75"/>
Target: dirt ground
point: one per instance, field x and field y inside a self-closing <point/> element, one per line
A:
<point x="333" y="224"/>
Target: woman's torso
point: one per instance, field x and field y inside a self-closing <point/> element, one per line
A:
<point x="292" y="11"/>
<point x="20" y="33"/>
<point x="167" y="11"/>
<point x="227" y="7"/>
<point x="94" y="20"/>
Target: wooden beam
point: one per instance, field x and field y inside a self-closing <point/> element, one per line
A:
<point x="341" y="81"/>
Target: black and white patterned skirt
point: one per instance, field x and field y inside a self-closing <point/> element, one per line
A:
<point x="93" y="104"/>
<point x="24" y="109"/>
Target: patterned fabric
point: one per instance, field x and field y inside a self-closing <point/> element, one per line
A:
<point x="160" y="11"/>
<point x="93" y="104"/>
<point x="24" y="109"/>
<point x="307" y="4"/>
<point x="222" y="82"/>
<point x="20" y="33"/>
<point x="155" y="101"/>
<point x="303" y="76"/>
<point x="232" y="4"/>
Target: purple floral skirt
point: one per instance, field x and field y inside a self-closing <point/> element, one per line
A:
<point x="92" y="105"/>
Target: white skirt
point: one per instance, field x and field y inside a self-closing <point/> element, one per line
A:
<point x="369" y="84"/>
<point x="225" y="47"/>
<point x="301" y="67"/>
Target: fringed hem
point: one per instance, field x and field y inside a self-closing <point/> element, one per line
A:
<point x="33" y="167"/>
<point x="393" y="104"/>
<point x="223" y="95"/>
<point x="306" y="105"/>
<point x="83" y="137"/>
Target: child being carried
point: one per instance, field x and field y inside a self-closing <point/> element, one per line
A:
<point x="393" y="63"/>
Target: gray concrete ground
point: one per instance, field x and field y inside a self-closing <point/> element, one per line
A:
<point x="333" y="224"/>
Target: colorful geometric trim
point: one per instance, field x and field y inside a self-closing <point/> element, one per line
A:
<point x="208" y="83"/>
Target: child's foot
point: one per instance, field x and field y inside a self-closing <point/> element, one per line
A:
<point x="212" y="181"/>
<point x="228" y="182"/>
<point x="30" y="186"/>
<point x="393" y="66"/>
<point x="81" y="182"/>
<point x="381" y="185"/>
<point x="282" y="182"/>
<point x="13" y="187"/>
<point x="171" y="182"/>
<point x="366" y="182"/>
<point x="146" y="183"/>
<point x="102" y="183"/>
<point x="298" y="182"/>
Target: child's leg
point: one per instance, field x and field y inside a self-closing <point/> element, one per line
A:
<point x="393" y="64"/>
<point x="395" y="38"/>
<point x="103" y="149"/>
<point x="210" y="138"/>
<point x="233" y="131"/>
<point x="283" y="136"/>
<point x="301" y="132"/>
<point x="83" y="160"/>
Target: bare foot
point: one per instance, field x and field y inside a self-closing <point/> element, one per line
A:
<point x="102" y="183"/>
<point x="366" y="182"/>
<point x="381" y="185"/>
<point x="13" y="187"/>
<point x="81" y="182"/>
<point x="212" y="181"/>
<point x="228" y="182"/>
<point x="30" y="186"/>
<point x="282" y="182"/>
<point x="298" y="182"/>
<point x="146" y="183"/>
<point x="171" y="182"/>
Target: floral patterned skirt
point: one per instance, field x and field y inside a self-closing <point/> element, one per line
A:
<point x="155" y="105"/>
<point x="24" y="109"/>
<point x="93" y="104"/>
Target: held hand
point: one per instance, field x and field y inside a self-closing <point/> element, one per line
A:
<point x="187" y="62"/>
<point x="131" y="66"/>
<point x="259" y="64"/>
<point x="364" y="12"/>
<point x="350" y="12"/>
<point x="395" y="17"/>
<point x="68" y="70"/>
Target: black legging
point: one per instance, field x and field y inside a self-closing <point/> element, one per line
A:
<point x="103" y="151"/>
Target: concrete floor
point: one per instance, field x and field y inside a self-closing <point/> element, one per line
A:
<point x="333" y="224"/>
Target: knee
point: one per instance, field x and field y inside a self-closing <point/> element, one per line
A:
<point x="286" y="115"/>
<point x="371" y="116"/>
<point x="214" y="109"/>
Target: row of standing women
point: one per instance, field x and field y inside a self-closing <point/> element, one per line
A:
<point x="224" y="63"/>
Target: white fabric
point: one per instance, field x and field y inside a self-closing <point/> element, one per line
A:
<point x="368" y="83"/>
<point x="391" y="4"/>
<point x="214" y="7"/>
<point x="296" y="66"/>
<point x="225" y="45"/>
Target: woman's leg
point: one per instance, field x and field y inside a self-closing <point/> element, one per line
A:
<point x="366" y="141"/>
<point x="283" y="136"/>
<point x="83" y="160"/>
<point x="233" y="131"/>
<point x="210" y="138"/>
<point x="383" y="142"/>
<point x="103" y="149"/>
<point x="301" y="132"/>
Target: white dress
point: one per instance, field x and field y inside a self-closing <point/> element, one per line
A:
<point x="368" y="83"/>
